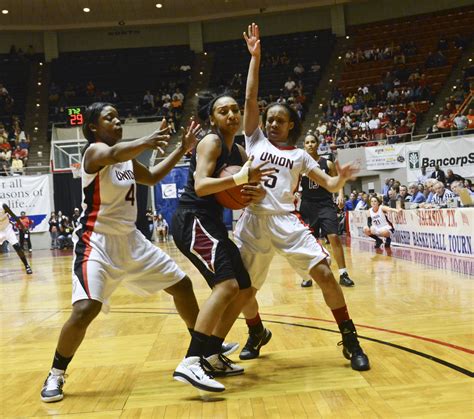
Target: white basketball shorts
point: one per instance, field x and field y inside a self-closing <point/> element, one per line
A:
<point x="380" y="230"/>
<point x="101" y="262"/>
<point x="260" y="236"/>
<point x="8" y="235"/>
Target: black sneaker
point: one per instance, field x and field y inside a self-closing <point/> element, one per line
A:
<point x="388" y="242"/>
<point x="28" y="270"/>
<point x="305" y="283"/>
<point x="351" y="348"/>
<point x="345" y="280"/>
<point x="254" y="343"/>
<point x="52" y="390"/>
<point x="378" y="243"/>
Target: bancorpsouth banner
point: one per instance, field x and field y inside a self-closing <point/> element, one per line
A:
<point x="390" y="156"/>
<point x="455" y="154"/>
<point x="30" y="194"/>
<point x="439" y="230"/>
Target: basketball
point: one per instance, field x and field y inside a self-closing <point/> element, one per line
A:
<point x="231" y="198"/>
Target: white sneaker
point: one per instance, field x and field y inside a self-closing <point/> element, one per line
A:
<point x="52" y="390"/>
<point x="191" y="371"/>
<point x="229" y="348"/>
<point x="223" y="366"/>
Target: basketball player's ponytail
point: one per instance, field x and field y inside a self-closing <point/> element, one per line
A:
<point x="91" y="116"/>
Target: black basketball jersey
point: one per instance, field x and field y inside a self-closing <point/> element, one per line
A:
<point x="189" y="198"/>
<point x="311" y="190"/>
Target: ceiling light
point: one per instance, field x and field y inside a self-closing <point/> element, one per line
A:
<point x="159" y="5"/>
<point x="86" y="10"/>
<point x="5" y="11"/>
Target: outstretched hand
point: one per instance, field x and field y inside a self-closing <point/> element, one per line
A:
<point x="159" y="139"/>
<point x="189" y="137"/>
<point x="252" y="38"/>
<point x="257" y="173"/>
<point x="347" y="171"/>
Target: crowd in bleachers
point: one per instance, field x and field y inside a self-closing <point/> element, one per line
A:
<point x="14" y="147"/>
<point x="140" y="82"/>
<point x="457" y="116"/>
<point x="289" y="74"/>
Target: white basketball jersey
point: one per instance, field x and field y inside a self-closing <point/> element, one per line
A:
<point x="379" y="219"/>
<point x="108" y="199"/>
<point x="290" y="163"/>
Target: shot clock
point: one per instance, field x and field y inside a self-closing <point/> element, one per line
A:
<point x="74" y="116"/>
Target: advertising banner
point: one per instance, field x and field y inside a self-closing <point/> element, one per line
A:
<point x="30" y="194"/>
<point x="440" y="230"/>
<point x="455" y="154"/>
<point x="390" y="156"/>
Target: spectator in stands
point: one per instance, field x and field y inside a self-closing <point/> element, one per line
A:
<point x="394" y="198"/>
<point x="21" y="154"/>
<point x="4" y="168"/>
<point x="439" y="174"/>
<point x="441" y="194"/>
<point x="423" y="177"/>
<point x="351" y="203"/>
<point x="470" y="118"/>
<point x="17" y="166"/>
<point x="90" y="88"/>
<point x="404" y="195"/>
<point x="148" y="101"/>
<point x="460" y="124"/>
<point x="299" y="70"/>
<point x="451" y="177"/>
<point x="289" y="85"/>
<point x="403" y="132"/>
<point x="363" y="203"/>
<point x="416" y="196"/>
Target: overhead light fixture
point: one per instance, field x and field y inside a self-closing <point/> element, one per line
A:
<point x="5" y="11"/>
<point x="86" y="10"/>
<point x="159" y="5"/>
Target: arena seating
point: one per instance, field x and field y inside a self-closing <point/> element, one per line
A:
<point x="14" y="72"/>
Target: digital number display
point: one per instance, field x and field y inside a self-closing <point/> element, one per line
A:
<point x="75" y="116"/>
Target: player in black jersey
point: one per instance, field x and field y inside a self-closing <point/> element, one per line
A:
<point x="200" y="234"/>
<point x="320" y="212"/>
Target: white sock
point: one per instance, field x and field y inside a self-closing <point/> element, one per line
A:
<point x="343" y="270"/>
<point x="56" y="371"/>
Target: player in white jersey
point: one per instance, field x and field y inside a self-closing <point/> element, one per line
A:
<point x="108" y="248"/>
<point x="273" y="226"/>
<point x="7" y="234"/>
<point x="378" y="223"/>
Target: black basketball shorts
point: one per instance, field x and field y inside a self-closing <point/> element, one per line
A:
<point x="203" y="239"/>
<point x="321" y="218"/>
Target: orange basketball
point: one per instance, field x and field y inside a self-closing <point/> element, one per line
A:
<point x="231" y="198"/>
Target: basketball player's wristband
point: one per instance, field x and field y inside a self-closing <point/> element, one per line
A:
<point x="242" y="176"/>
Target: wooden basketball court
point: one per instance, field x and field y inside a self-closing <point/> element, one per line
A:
<point x="414" y="315"/>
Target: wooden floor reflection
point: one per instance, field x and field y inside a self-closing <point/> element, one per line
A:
<point x="414" y="313"/>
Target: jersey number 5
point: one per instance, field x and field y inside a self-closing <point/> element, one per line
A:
<point x="131" y="194"/>
<point x="272" y="180"/>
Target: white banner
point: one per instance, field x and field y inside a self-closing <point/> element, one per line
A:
<point x="441" y="230"/>
<point x="390" y="156"/>
<point x="455" y="154"/>
<point x="30" y="194"/>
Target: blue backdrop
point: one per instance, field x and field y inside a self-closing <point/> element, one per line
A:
<point x="168" y="191"/>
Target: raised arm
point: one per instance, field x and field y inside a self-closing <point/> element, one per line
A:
<point x="102" y="155"/>
<point x="156" y="173"/>
<point x="335" y="183"/>
<point x="251" y="111"/>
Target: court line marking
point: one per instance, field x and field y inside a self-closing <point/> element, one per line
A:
<point x="381" y="329"/>
<point x="382" y="342"/>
